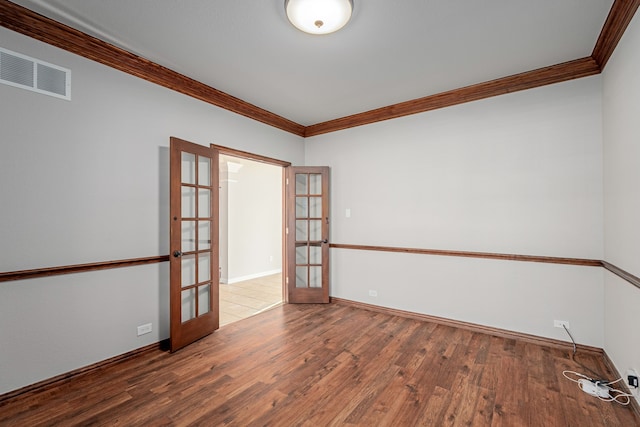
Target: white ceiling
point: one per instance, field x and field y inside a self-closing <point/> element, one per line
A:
<point x="391" y="51"/>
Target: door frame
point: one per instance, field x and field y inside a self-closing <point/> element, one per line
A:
<point x="274" y="162"/>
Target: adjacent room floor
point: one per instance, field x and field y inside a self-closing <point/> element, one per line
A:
<point x="244" y="299"/>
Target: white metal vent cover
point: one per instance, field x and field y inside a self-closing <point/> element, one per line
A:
<point x="33" y="74"/>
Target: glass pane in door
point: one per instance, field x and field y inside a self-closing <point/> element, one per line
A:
<point x="315" y="207"/>
<point x="301" y="230"/>
<point x="188" y="268"/>
<point x="315" y="254"/>
<point x="188" y="304"/>
<point x="204" y="203"/>
<point x="188" y="168"/>
<point x="204" y="267"/>
<point x="188" y="236"/>
<point x="188" y="202"/>
<point x="315" y="276"/>
<point x="315" y="183"/>
<point x="301" y="183"/>
<point x="301" y="276"/>
<point x="204" y="235"/>
<point x="301" y="254"/>
<point x="301" y="207"/>
<point x="204" y="171"/>
<point x="315" y="230"/>
<point x="204" y="296"/>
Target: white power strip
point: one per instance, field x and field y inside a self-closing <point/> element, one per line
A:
<point x="594" y="389"/>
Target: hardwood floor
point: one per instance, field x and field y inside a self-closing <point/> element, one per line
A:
<point x="329" y="365"/>
<point x="244" y="299"/>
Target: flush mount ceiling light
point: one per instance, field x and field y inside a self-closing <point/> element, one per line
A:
<point x="318" y="16"/>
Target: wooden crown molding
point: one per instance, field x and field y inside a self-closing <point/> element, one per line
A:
<point x="544" y="76"/>
<point x="29" y="23"/>
<point x="620" y="15"/>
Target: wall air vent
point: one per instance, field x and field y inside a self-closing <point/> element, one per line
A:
<point x="29" y="73"/>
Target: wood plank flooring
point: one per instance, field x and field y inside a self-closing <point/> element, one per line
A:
<point x="244" y="299"/>
<point x="330" y="365"/>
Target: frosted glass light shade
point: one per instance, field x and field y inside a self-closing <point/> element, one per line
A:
<point x="318" y="16"/>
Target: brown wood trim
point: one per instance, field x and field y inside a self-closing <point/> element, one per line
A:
<point x="250" y="156"/>
<point x="55" y="381"/>
<point x="634" y="280"/>
<point x="505" y="257"/>
<point x="503" y="333"/>
<point x="78" y="268"/>
<point x="634" y="404"/>
<point x="29" y="23"/>
<point x="620" y="15"/>
<point x="543" y="76"/>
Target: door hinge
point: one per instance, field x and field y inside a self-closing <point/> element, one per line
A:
<point x="287" y="181"/>
<point x="287" y="280"/>
<point x="286" y="230"/>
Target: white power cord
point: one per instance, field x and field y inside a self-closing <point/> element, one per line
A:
<point x="572" y="340"/>
<point x="599" y="388"/>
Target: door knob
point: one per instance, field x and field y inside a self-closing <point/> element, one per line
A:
<point x="177" y="254"/>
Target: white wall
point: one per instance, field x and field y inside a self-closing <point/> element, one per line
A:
<point x="87" y="181"/>
<point x="254" y="221"/>
<point x="621" y="113"/>
<point x="520" y="173"/>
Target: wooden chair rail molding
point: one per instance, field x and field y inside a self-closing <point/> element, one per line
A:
<point x="79" y="268"/>
<point x="29" y="23"/>
<point x="634" y="280"/>
<point x="504" y="257"/>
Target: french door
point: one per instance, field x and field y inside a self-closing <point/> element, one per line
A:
<point x="307" y="234"/>
<point x="194" y="237"/>
<point x="194" y="280"/>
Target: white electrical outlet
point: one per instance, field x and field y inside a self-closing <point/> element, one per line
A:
<point x="347" y="213"/>
<point x="373" y="293"/>
<point x="632" y="373"/>
<point x="144" y="329"/>
<point x="561" y="324"/>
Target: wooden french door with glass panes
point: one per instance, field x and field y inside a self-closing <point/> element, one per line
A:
<point x="194" y="280"/>
<point x="307" y="234"/>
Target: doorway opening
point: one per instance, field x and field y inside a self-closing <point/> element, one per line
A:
<point x="251" y="218"/>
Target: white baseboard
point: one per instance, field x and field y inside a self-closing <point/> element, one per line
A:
<point x="231" y="280"/>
